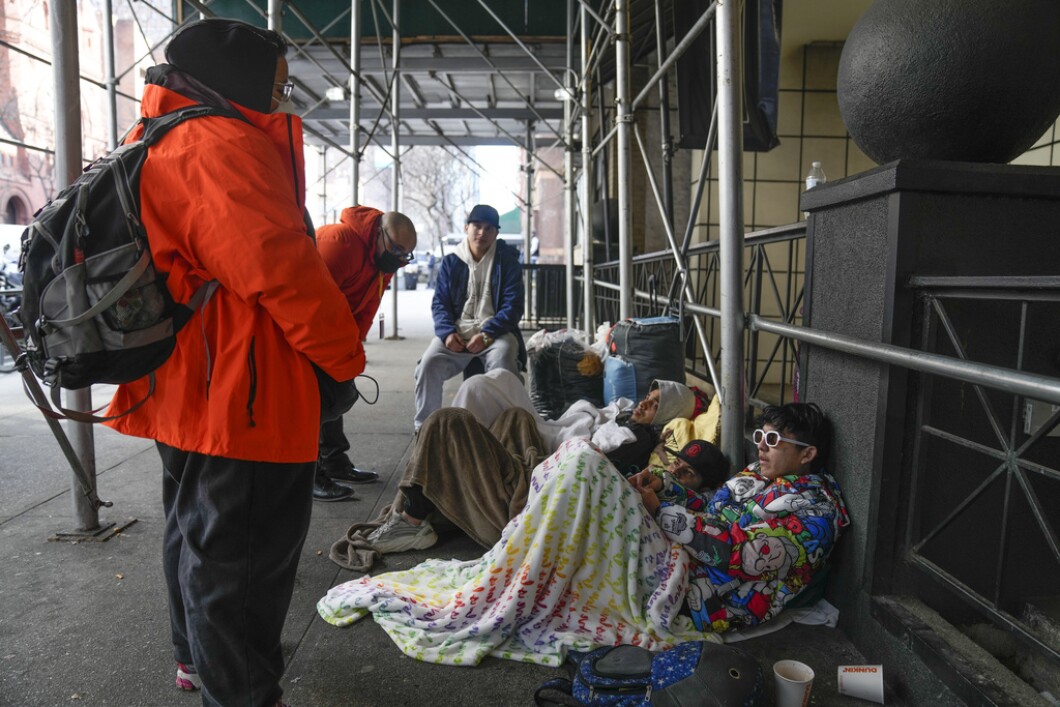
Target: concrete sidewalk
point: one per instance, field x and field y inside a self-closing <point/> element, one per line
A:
<point x="86" y="623"/>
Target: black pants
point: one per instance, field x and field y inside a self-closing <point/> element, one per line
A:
<point x="234" y="533"/>
<point x="416" y="504"/>
<point x="333" y="444"/>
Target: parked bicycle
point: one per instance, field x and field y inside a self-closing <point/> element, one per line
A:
<point x="10" y="301"/>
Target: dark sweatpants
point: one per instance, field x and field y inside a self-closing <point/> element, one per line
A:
<point x="333" y="443"/>
<point x="234" y="533"/>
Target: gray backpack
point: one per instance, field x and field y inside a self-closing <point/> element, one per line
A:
<point x="94" y="310"/>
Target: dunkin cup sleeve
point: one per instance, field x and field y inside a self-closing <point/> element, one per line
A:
<point x="862" y="681"/>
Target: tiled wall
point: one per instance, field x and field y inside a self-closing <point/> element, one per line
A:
<point x="809" y="128"/>
<point x="1045" y="152"/>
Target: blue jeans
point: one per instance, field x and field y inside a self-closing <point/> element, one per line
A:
<point x="233" y="536"/>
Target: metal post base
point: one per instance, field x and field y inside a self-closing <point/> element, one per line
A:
<point x="101" y="534"/>
<point x="395" y="337"/>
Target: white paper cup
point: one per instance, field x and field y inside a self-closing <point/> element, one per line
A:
<point x="794" y="681"/>
<point x="862" y="681"/>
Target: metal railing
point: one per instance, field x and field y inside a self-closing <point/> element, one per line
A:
<point x="997" y="448"/>
<point x="1013" y="444"/>
<point x="983" y="463"/>
<point x="547" y="296"/>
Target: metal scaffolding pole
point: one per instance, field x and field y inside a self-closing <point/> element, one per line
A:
<point x="693" y="33"/>
<point x="275" y="18"/>
<point x="323" y="152"/>
<point x="664" y="122"/>
<point x="730" y="203"/>
<point x="515" y="141"/>
<point x="568" y="167"/>
<point x="623" y="175"/>
<point x="108" y="56"/>
<point x="67" y="169"/>
<point x="586" y="97"/>
<point x="679" y="260"/>
<point x="529" y="169"/>
<point x="395" y="146"/>
<point x="527" y="101"/>
<point x="355" y="102"/>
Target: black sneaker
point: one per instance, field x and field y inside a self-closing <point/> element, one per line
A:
<point x="324" y="489"/>
<point x="348" y="472"/>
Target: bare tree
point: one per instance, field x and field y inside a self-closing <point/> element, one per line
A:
<point x="438" y="190"/>
<point x="42" y="169"/>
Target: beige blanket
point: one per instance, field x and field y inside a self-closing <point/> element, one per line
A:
<point x="476" y="477"/>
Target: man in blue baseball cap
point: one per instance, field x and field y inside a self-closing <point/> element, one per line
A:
<point x="478" y="302"/>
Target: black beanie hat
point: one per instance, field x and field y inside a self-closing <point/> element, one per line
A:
<point x="235" y="59"/>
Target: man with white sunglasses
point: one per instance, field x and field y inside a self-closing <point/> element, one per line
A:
<point x="767" y="533"/>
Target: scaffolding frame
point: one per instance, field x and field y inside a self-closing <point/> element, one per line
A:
<point x="602" y="125"/>
<point x="581" y="88"/>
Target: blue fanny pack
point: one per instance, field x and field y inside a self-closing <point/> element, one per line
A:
<point x="694" y="673"/>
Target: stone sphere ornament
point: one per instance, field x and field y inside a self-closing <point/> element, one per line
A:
<point x="964" y="80"/>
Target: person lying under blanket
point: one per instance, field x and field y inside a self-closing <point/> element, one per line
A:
<point x="488" y="395"/>
<point x="595" y="559"/>
<point x="477" y="477"/>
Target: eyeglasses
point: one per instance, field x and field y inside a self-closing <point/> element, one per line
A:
<point x="394" y="248"/>
<point x="286" y="88"/>
<point x="773" y="438"/>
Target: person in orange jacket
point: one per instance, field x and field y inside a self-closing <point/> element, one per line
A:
<point x="236" y="409"/>
<point x="362" y="252"/>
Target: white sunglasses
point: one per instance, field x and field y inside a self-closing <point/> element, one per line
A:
<point x="773" y="438"/>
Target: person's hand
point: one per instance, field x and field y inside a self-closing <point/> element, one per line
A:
<point x="646" y="479"/>
<point x="454" y="343"/>
<point x="476" y="344"/>
<point x="647" y="493"/>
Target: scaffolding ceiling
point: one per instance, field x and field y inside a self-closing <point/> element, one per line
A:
<point x="472" y="72"/>
<point x="449" y="94"/>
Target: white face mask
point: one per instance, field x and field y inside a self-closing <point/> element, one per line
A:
<point x="286" y="107"/>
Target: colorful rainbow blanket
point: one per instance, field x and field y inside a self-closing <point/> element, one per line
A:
<point x="584" y="565"/>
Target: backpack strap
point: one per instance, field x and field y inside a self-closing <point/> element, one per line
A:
<point x="56" y="411"/>
<point x="116" y="292"/>
<point x="155" y="128"/>
<point x="557" y="692"/>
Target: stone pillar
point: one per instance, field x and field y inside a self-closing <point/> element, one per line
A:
<point x="867" y="236"/>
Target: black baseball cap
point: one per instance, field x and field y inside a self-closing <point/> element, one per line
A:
<point x="485" y="214"/>
<point x="707" y="460"/>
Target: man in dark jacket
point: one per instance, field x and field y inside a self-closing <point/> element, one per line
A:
<point x="478" y="302"/>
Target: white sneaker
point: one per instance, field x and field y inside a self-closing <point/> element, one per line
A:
<point x="398" y="535"/>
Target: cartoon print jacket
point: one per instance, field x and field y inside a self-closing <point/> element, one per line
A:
<point x="755" y="544"/>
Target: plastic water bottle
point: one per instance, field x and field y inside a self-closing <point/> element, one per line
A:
<point x="815" y="176"/>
